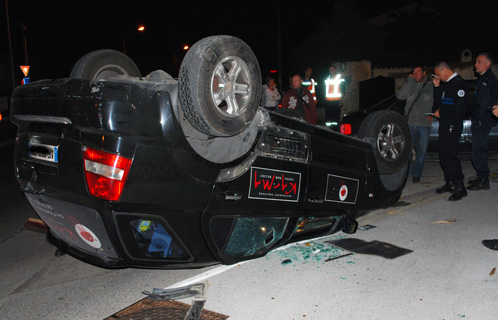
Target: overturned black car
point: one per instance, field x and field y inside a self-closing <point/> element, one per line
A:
<point x="162" y="173"/>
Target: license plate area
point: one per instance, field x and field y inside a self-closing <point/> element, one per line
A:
<point x="44" y="152"/>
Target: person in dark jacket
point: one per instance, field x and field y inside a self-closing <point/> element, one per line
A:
<point x="300" y="100"/>
<point x="451" y="98"/>
<point x="485" y="97"/>
<point x="492" y="243"/>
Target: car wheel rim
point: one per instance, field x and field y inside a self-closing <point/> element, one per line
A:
<point x="390" y="142"/>
<point x="109" y="70"/>
<point x="230" y="86"/>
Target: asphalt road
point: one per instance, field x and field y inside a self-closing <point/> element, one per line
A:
<point x="446" y="275"/>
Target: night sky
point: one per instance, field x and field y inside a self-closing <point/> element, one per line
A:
<point x="60" y="32"/>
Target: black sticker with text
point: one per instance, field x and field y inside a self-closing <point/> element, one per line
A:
<point x="268" y="184"/>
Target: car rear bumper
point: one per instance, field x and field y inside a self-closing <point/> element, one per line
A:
<point x="117" y="238"/>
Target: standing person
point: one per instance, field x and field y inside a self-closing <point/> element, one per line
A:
<point x="309" y="83"/>
<point x="331" y="95"/>
<point x="419" y="94"/>
<point x="486" y="95"/>
<point x="492" y="243"/>
<point x="452" y="100"/>
<point x="271" y="96"/>
<point x="299" y="99"/>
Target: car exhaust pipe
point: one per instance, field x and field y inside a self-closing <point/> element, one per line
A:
<point x="349" y="225"/>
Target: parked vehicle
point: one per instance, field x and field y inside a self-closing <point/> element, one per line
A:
<point x="351" y="122"/>
<point x="162" y="173"/>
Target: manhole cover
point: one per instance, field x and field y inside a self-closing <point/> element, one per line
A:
<point x="147" y="309"/>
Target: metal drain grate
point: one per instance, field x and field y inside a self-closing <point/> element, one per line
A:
<point x="148" y="309"/>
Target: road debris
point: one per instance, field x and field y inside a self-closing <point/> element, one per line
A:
<point x="378" y="248"/>
<point x="286" y="261"/>
<point x="197" y="290"/>
<point x="36" y="225"/>
<point x="308" y="252"/>
<point x="339" y="257"/>
<point x="366" y="227"/>
<point x="445" y="221"/>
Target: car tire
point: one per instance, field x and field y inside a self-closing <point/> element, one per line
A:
<point x="220" y="86"/>
<point x="103" y="64"/>
<point x="391" y="139"/>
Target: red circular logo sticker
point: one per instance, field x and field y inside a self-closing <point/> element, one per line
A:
<point x="88" y="236"/>
<point x="343" y="192"/>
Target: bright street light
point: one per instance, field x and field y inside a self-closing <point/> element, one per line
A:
<point x="140" y="28"/>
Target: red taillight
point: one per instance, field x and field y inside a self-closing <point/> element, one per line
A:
<point x="105" y="173"/>
<point x="346" y="128"/>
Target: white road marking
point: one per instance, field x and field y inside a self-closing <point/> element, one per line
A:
<point x="204" y="276"/>
<point x="221" y="269"/>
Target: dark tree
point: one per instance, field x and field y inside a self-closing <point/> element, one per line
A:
<point x="345" y="36"/>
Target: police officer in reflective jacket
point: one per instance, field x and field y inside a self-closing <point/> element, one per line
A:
<point x="451" y="98"/>
<point x="485" y="97"/>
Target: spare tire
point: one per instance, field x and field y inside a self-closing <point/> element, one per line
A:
<point x="103" y="64"/>
<point x="220" y="86"/>
<point x="391" y="139"/>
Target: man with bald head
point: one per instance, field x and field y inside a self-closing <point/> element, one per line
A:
<point x="485" y="97"/>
